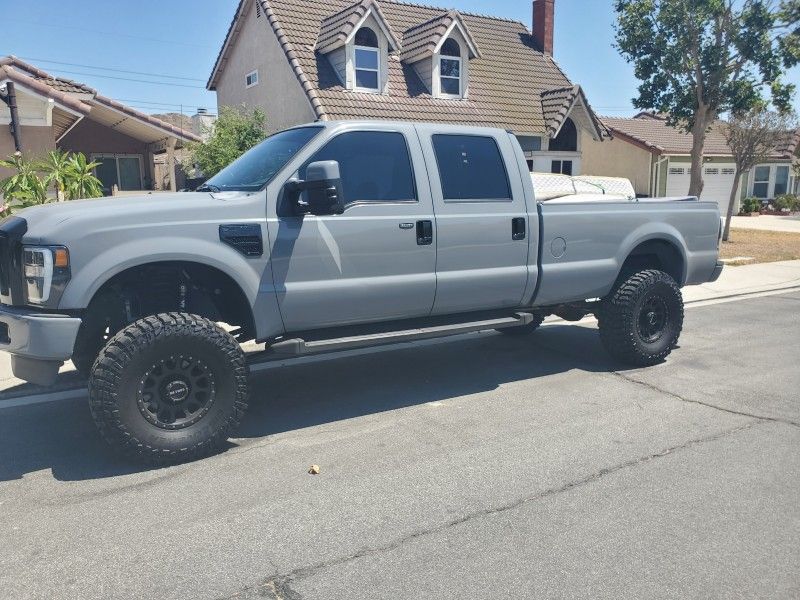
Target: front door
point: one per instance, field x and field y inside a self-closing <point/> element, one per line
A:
<point x="370" y="263"/>
<point x="482" y="224"/>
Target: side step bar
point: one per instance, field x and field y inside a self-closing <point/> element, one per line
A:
<point x="299" y="347"/>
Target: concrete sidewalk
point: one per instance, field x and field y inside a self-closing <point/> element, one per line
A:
<point x="734" y="281"/>
<point x="768" y="223"/>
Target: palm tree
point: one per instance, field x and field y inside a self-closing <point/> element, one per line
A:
<point x="80" y="181"/>
<point x="55" y="167"/>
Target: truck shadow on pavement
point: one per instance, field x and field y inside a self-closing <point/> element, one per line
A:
<point x="61" y="437"/>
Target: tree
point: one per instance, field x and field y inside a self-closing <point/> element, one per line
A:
<point x="752" y="137"/>
<point x="22" y="189"/>
<point x="54" y="166"/>
<point x="79" y="178"/>
<point x="234" y="133"/>
<point x="698" y="59"/>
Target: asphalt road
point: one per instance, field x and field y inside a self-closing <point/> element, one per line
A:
<point x="477" y="467"/>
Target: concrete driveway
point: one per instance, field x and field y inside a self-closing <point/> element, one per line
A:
<point x="768" y="223"/>
<point x="477" y="467"/>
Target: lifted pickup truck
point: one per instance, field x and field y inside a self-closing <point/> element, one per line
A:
<point x="324" y="237"/>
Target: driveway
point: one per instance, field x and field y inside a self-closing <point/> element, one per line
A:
<point x="768" y="223"/>
<point x="477" y="467"/>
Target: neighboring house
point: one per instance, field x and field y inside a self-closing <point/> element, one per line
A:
<point x="304" y="60"/>
<point x="59" y="113"/>
<point x="202" y="125"/>
<point x="657" y="159"/>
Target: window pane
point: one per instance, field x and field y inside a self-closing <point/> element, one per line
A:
<point x="375" y="166"/>
<point x="471" y="168"/>
<point x="450" y="86"/>
<point x="366" y="37"/>
<point x="450" y="68"/>
<point x="760" y="190"/>
<point x="762" y="174"/>
<point x="129" y="174"/>
<point x="781" y="180"/>
<point x="450" y="48"/>
<point x="256" y="167"/>
<point x="555" y="167"/>
<point x="367" y="79"/>
<point x="366" y="59"/>
<point x="566" y="167"/>
<point x="106" y="172"/>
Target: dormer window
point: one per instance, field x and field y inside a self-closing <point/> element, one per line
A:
<point x="367" y="60"/>
<point x="450" y="69"/>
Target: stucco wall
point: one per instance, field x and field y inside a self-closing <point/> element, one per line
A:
<point x="617" y="158"/>
<point x="278" y="92"/>
<point x="36" y="141"/>
<point x="91" y="137"/>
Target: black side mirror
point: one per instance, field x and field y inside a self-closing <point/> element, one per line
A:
<point x="323" y="187"/>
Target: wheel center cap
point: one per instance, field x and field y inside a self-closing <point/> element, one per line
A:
<point x="177" y="391"/>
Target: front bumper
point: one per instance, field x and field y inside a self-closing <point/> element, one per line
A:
<point x="39" y="343"/>
<point x="717" y="271"/>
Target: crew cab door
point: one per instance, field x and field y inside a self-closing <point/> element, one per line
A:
<point x="482" y="224"/>
<point x="377" y="260"/>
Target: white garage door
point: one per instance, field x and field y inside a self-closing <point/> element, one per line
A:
<point x="718" y="180"/>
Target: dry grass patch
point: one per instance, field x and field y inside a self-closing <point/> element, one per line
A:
<point x="761" y="246"/>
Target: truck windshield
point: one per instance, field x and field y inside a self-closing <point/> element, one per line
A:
<point x="256" y="167"/>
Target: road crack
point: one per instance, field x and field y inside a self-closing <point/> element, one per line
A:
<point x="280" y="586"/>
<point x="731" y="411"/>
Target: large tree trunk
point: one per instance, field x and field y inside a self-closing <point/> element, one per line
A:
<point x="734" y="193"/>
<point x="698" y="141"/>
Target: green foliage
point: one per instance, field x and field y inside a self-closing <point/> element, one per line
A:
<point x="750" y="205"/>
<point x="234" y="133"/>
<point x="79" y="178"/>
<point x="787" y="201"/>
<point x="697" y="59"/>
<point x="71" y="176"/>
<point x="22" y="189"/>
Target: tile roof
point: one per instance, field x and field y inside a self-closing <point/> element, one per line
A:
<point x="558" y="103"/>
<point x="421" y="41"/>
<point x="337" y="28"/>
<point x="502" y="86"/>
<point x="77" y="96"/>
<point x="652" y="131"/>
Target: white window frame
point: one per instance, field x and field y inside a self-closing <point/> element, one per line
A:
<point x="247" y="83"/>
<point x="770" y="181"/>
<point x="460" y="77"/>
<point x="356" y="69"/>
<point x="116" y="158"/>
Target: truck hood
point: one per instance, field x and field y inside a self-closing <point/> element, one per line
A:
<point x="47" y="221"/>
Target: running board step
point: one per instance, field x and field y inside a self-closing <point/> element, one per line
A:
<point x="299" y="347"/>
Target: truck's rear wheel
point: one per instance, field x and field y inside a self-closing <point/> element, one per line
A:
<point x="169" y="388"/>
<point x="641" y="320"/>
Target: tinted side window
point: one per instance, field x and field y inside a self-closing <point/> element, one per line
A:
<point x="471" y="168"/>
<point x="375" y="166"/>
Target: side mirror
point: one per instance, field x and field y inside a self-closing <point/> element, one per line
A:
<point x="323" y="187"/>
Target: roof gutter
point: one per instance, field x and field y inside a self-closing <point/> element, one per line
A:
<point x="10" y="99"/>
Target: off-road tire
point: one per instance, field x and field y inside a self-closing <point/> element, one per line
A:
<point x="135" y="367"/>
<point x="626" y="317"/>
<point x="521" y="330"/>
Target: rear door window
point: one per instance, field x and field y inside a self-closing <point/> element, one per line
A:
<point x="471" y="168"/>
<point x="375" y="166"/>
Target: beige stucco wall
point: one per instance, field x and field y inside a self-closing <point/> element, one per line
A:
<point x="278" y="92"/>
<point x="617" y="158"/>
<point x="36" y="142"/>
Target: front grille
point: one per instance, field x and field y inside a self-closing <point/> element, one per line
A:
<point x="11" y="231"/>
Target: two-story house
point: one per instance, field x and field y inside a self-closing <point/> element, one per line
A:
<point x="308" y="60"/>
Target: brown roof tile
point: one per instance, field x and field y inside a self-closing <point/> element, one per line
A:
<point x="503" y="86"/>
<point x="337" y="28"/>
<point x="421" y="41"/>
<point x="653" y="131"/>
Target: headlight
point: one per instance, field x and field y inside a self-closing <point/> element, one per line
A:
<point x="46" y="272"/>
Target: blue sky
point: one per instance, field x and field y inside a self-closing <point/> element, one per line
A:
<point x="181" y="38"/>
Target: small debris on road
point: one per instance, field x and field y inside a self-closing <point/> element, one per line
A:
<point x="314" y="470"/>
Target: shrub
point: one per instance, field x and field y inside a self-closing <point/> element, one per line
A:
<point x="787" y="201"/>
<point x="750" y="205"/>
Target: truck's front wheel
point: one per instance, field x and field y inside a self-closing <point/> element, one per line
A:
<point x="641" y="320"/>
<point x="169" y="388"/>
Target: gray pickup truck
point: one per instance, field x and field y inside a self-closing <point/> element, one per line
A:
<point x="325" y="237"/>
